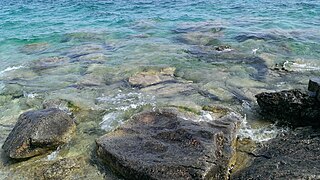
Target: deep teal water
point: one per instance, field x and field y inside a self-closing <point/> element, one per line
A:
<point x="26" y="21"/>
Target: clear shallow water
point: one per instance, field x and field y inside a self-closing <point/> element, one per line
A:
<point x="84" y="52"/>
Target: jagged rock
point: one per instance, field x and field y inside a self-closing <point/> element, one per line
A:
<point x="37" y="132"/>
<point x="293" y="155"/>
<point x="163" y="145"/>
<point x="291" y="107"/>
<point x="150" y="77"/>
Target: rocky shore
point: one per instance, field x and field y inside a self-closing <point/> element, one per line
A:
<point x="171" y="143"/>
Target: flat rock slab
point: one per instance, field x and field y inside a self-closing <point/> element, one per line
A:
<point x="162" y="145"/>
<point x="290" y="107"/>
<point x="294" y="155"/>
<point x="152" y="77"/>
<point x="37" y="132"/>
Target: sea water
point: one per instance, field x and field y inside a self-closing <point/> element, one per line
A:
<point x="83" y="52"/>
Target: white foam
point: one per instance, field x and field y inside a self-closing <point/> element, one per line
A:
<point x="300" y="66"/>
<point x="10" y="68"/>
<point x="258" y="134"/>
<point x="53" y="155"/>
<point x="30" y="95"/>
<point x="132" y="100"/>
<point x="110" y="121"/>
<point x="254" y="51"/>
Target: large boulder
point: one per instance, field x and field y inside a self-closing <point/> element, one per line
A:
<point x="163" y="145"/>
<point x="37" y="132"/>
<point x="290" y="107"/>
<point x="292" y="155"/>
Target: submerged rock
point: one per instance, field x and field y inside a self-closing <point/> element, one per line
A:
<point x="63" y="169"/>
<point x="294" y="155"/>
<point x="37" y="132"/>
<point x="230" y="57"/>
<point x="82" y="37"/>
<point x="200" y="39"/>
<point x="291" y="107"/>
<point x="162" y="145"/>
<point x="34" y="48"/>
<point x="151" y="77"/>
<point x="49" y="62"/>
<point x="259" y="36"/>
<point x="85" y="51"/>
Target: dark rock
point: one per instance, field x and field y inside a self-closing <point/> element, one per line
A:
<point x="37" y="132"/>
<point x="162" y="145"/>
<point x="294" y="155"/>
<point x="222" y="48"/>
<point x="280" y="68"/>
<point x="291" y="107"/>
<point x="314" y="84"/>
<point x="314" y="87"/>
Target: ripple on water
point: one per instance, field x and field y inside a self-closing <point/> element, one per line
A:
<point x="120" y="104"/>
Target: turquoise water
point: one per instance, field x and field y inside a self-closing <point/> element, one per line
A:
<point x="84" y="52"/>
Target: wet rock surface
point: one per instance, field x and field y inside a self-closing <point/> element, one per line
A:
<point x="162" y="145"/>
<point x="37" y="132"/>
<point x="63" y="169"/>
<point x="290" y="107"/>
<point x="294" y="155"/>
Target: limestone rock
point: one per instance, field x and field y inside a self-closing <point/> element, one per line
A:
<point x="291" y="107"/>
<point x="150" y="77"/>
<point x="162" y="145"/>
<point x="37" y="132"/>
<point x="294" y="155"/>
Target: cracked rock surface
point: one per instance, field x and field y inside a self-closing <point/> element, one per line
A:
<point x="162" y="145"/>
<point x="293" y="155"/>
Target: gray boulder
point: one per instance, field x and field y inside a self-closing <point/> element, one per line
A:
<point x="162" y="145"/>
<point x="291" y="107"/>
<point x="293" y="155"/>
<point x="37" y="132"/>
